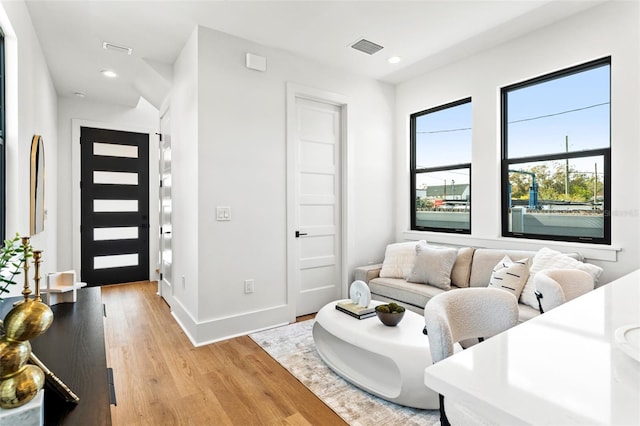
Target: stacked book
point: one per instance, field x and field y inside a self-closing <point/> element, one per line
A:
<point x="355" y="310"/>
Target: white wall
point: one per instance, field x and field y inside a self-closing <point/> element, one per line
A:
<point x="611" y="29"/>
<point x="185" y="183"/>
<point x="241" y="163"/>
<point x="143" y="118"/>
<point x="31" y="109"/>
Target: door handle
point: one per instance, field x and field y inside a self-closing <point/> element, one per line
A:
<point x="298" y="234"/>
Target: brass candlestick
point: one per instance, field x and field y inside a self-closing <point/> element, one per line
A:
<point x="37" y="259"/>
<point x="25" y="255"/>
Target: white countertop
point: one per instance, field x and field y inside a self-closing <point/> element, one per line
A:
<point x="563" y="367"/>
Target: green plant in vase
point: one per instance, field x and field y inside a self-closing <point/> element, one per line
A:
<point x="12" y="257"/>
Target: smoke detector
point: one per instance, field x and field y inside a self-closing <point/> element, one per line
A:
<point x="116" y="47"/>
<point x="366" y="46"/>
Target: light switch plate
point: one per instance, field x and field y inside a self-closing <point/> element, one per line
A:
<point x="223" y="213"/>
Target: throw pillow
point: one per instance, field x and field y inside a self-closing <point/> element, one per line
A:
<point x="433" y="266"/>
<point x="462" y="267"/>
<point x="547" y="258"/>
<point x="510" y="276"/>
<point x="399" y="259"/>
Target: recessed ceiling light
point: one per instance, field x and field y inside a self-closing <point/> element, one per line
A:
<point x="79" y="94"/>
<point x="394" y="59"/>
<point x="109" y="73"/>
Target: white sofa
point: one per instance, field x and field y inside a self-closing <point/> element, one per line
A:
<point x="473" y="267"/>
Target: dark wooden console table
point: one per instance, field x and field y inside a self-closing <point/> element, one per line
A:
<point x="73" y="349"/>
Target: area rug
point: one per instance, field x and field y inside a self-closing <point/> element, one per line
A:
<point x="292" y="346"/>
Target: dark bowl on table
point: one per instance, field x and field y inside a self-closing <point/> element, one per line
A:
<point x="390" y="318"/>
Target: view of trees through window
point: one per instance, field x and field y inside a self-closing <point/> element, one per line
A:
<point x="559" y="181"/>
<point x="556" y="145"/>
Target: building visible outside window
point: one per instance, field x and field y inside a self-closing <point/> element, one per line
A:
<point x="2" y="143"/>
<point x="556" y="155"/>
<point x="441" y="168"/>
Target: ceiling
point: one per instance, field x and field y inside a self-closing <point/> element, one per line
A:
<point x="425" y="34"/>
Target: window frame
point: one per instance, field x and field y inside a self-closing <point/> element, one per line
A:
<point x="414" y="171"/>
<point x="506" y="162"/>
<point x="3" y="151"/>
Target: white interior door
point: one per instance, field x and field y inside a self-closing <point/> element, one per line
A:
<point x="317" y="147"/>
<point x="166" y="278"/>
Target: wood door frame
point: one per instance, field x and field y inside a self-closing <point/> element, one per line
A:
<point x="294" y="91"/>
<point x="76" y="245"/>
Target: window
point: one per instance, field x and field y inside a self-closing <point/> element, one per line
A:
<point x="556" y="155"/>
<point x="2" y="139"/>
<point x="441" y="168"/>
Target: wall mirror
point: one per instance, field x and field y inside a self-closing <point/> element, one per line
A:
<point x="37" y="185"/>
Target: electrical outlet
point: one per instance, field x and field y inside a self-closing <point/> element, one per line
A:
<point x="248" y="286"/>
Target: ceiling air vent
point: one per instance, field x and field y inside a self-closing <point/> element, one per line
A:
<point x="116" y="47"/>
<point x="367" y="46"/>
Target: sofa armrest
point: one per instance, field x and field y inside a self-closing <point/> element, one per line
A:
<point x="367" y="273"/>
<point x="558" y="286"/>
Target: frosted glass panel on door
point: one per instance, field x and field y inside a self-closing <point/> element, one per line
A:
<point x="115" y="261"/>
<point x="115" y="178"/>
<point x="165" y="215"/>
<point x="115" y="206"/>
<point x="166" y="274"/>
<point x="166" y="180"/>
<point x="115" y="150"/>
<point x="165" y="193"/>
<point x="115" y="233"/>
<point x="166" y="157"/>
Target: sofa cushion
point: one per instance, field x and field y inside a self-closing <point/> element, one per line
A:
<point x="403" y="291"/>
<point x="399" y="259"/>
<point x="547" y="258"/>
<point x="510" y="275"/>
<point x="433" y="266"/>
<point x="485" y="259"/>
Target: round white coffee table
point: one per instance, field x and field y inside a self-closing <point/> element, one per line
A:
<point x="386" y="361"/>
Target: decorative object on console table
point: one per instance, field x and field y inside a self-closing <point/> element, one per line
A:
<point x="20" y="382"/>
<point x="53" y="383"/>
<point x="391" y="314"/>
<point x="62" y="287"/>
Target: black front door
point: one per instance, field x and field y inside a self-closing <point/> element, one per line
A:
<point x="114" y="205"/>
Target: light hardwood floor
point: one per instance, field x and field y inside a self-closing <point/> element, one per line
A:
<point x="161" y="379"/>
